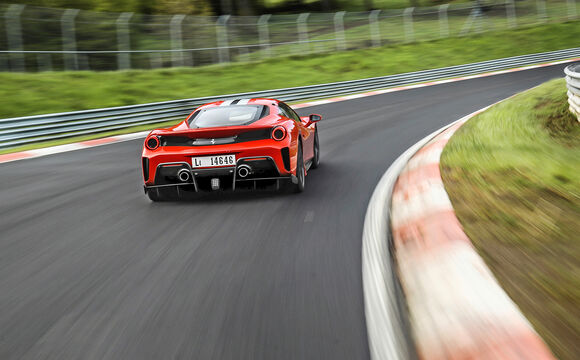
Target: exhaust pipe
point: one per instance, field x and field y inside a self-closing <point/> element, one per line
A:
<point x="244" y="170"/>
<point x="184" y="175"/>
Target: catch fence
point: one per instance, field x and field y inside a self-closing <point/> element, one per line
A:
<point x="48" y="39"/>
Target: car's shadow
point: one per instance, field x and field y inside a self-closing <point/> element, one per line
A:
<point x="313" y="185"/>
<point x="239" y="195"/>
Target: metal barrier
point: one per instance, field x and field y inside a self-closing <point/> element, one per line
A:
<point x="573" y="84"/>
<point x="33" y="129"/>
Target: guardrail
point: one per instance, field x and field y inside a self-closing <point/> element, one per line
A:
<point x="34" y="129"/>
<point x="573" y="84"/>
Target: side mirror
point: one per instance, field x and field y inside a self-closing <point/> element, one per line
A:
<point x="311" y="119"/>
<point x="314" y="118"/>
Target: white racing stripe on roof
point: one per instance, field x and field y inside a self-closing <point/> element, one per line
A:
<point x="244" y="101"/>
<point x="227" y="103"/>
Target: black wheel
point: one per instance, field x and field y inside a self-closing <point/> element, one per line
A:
<point x="316" y="159"/>
<point x="300" y="177"/>
<point x="162" y="194"/>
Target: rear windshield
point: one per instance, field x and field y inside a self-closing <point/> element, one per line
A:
<point x="227" y="116"/>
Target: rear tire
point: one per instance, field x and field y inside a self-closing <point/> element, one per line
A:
<point x="316" y="158"/>
<point x="300" y="176"/>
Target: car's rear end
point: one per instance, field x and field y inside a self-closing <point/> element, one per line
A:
<point x="195" y="157"/>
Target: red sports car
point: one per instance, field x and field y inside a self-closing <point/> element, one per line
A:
<point x="232" y="144"/>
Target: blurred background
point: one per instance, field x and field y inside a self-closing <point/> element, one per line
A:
<point x="50" y="35"/>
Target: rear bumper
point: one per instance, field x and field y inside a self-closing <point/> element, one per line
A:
<point x="266" y="162"/>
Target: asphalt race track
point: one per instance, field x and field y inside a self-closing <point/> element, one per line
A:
<point x="91" y="269"/>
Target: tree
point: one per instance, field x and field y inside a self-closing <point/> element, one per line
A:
<point x="193" y="7"/>
<point x="236" y="7"/>
<point x="187" y="7"/>
<point x="66" y="4"/>
<point x="327" y="5"/>
<point x="245" y="7"/>
<point x="226" y="7"/>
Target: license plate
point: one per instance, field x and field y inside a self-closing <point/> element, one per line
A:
<point x="213" y="161"/>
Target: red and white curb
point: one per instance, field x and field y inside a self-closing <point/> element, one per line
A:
<point x="114" y="139"/>
<point x="387" y="333"/>
<point x="457" y="308"/>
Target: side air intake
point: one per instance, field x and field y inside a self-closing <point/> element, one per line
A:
<point x="286" y="158"/>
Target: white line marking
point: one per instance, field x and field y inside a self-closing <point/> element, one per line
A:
<point x="55" y="149"/>
<point x="133" y="136"/>
<point x="320" y="102"/>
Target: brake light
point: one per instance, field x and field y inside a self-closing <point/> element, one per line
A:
<point x="279" y="133"/>
<point x="152" y="143"/>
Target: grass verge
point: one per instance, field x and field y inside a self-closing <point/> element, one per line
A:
<point x="512" y="176"/>
<point x="24" y="94"/>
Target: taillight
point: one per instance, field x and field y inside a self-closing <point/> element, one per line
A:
<point x="279" y="133"/>
<point x="152" y="143"/>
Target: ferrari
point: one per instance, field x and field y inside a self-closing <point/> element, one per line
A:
<point x="230" y="145"/>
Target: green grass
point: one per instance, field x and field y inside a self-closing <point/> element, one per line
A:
<point x="512" y="176"/>
<point x="37" y="93"/>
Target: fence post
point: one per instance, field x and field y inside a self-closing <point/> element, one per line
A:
<point x="571" y="9"/>
<point x="222" y="38"/>
<point x="14" y="35"/>
<point x="511" y="13"/>
<point x="408" y="18"/>
<point x="264" y="32"/>
<point x="374" y="27"/>
<point x="478" y="17"/>
<point x="443" y="23"/>
<point x="124" y="41"/>
<point x="541" y="5"/>
<point x="303" y="31"/>
<point x="339" y="30"/>
<point x="69" y="39"/>
<point x="177" y="57"/>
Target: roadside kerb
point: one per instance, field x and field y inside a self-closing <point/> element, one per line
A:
<point x="457" y="309"/>
<point x="388" y="333"/>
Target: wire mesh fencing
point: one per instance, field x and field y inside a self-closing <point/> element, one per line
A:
<point x="47" y="39"/>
